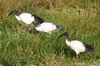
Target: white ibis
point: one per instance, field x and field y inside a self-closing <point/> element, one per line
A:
<point x="76" y="45"/>
<point x="27" y="18"/>
<point x="47" y="27"/>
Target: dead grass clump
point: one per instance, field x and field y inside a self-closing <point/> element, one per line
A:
<point x="7" y="5"/>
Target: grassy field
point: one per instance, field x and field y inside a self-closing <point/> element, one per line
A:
<point x="20" y="48"/>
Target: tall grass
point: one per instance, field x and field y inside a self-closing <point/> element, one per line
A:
<point x="20" y="48"/>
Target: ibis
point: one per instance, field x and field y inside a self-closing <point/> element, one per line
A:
<point x="27" y="18"/>
<point x="47" y="27"/>
<point x="76" y="45"/>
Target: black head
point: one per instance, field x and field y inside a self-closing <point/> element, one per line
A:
<point x="16" y="11"/>
<point x="64" y="34"/>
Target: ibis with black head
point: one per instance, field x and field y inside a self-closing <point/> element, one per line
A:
<point x="27" y="18"/>
<point x="76" y="45"/>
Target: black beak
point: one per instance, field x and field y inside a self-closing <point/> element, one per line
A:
<point x="14" y="11"/>
<point x="64" y="34"/>
<point x="11" y="13"/>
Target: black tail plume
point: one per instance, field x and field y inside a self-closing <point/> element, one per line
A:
<point x="60" y="27"/>
<point x="89" y="48"/>
<point x="38" y="20"/>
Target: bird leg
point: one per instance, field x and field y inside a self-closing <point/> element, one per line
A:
<point x="78" y="56"/>
<point x="27" y="28"/>
<point x="49" y="32"/>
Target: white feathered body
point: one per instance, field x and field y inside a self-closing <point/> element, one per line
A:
<point x="25" y="17"/>
<point x="75" y="45"/>
<point x="46" y="27"/>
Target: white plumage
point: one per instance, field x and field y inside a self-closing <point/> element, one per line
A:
<point x="46" y="27"/>
<point x="76" y="45"/>
<point x="25" y="17"/>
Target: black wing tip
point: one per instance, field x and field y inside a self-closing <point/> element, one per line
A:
<point x="60" y="27"/>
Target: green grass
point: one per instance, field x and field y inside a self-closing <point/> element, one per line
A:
<point x="21" y="48"/>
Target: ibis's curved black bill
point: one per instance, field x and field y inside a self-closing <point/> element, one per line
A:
<point x="64" y="34"/>
<point x="14" y="11"/>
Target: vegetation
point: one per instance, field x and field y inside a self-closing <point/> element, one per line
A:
<point x="81" y="18"/>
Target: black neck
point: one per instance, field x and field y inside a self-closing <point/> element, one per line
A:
<point x="17" y="12"/>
